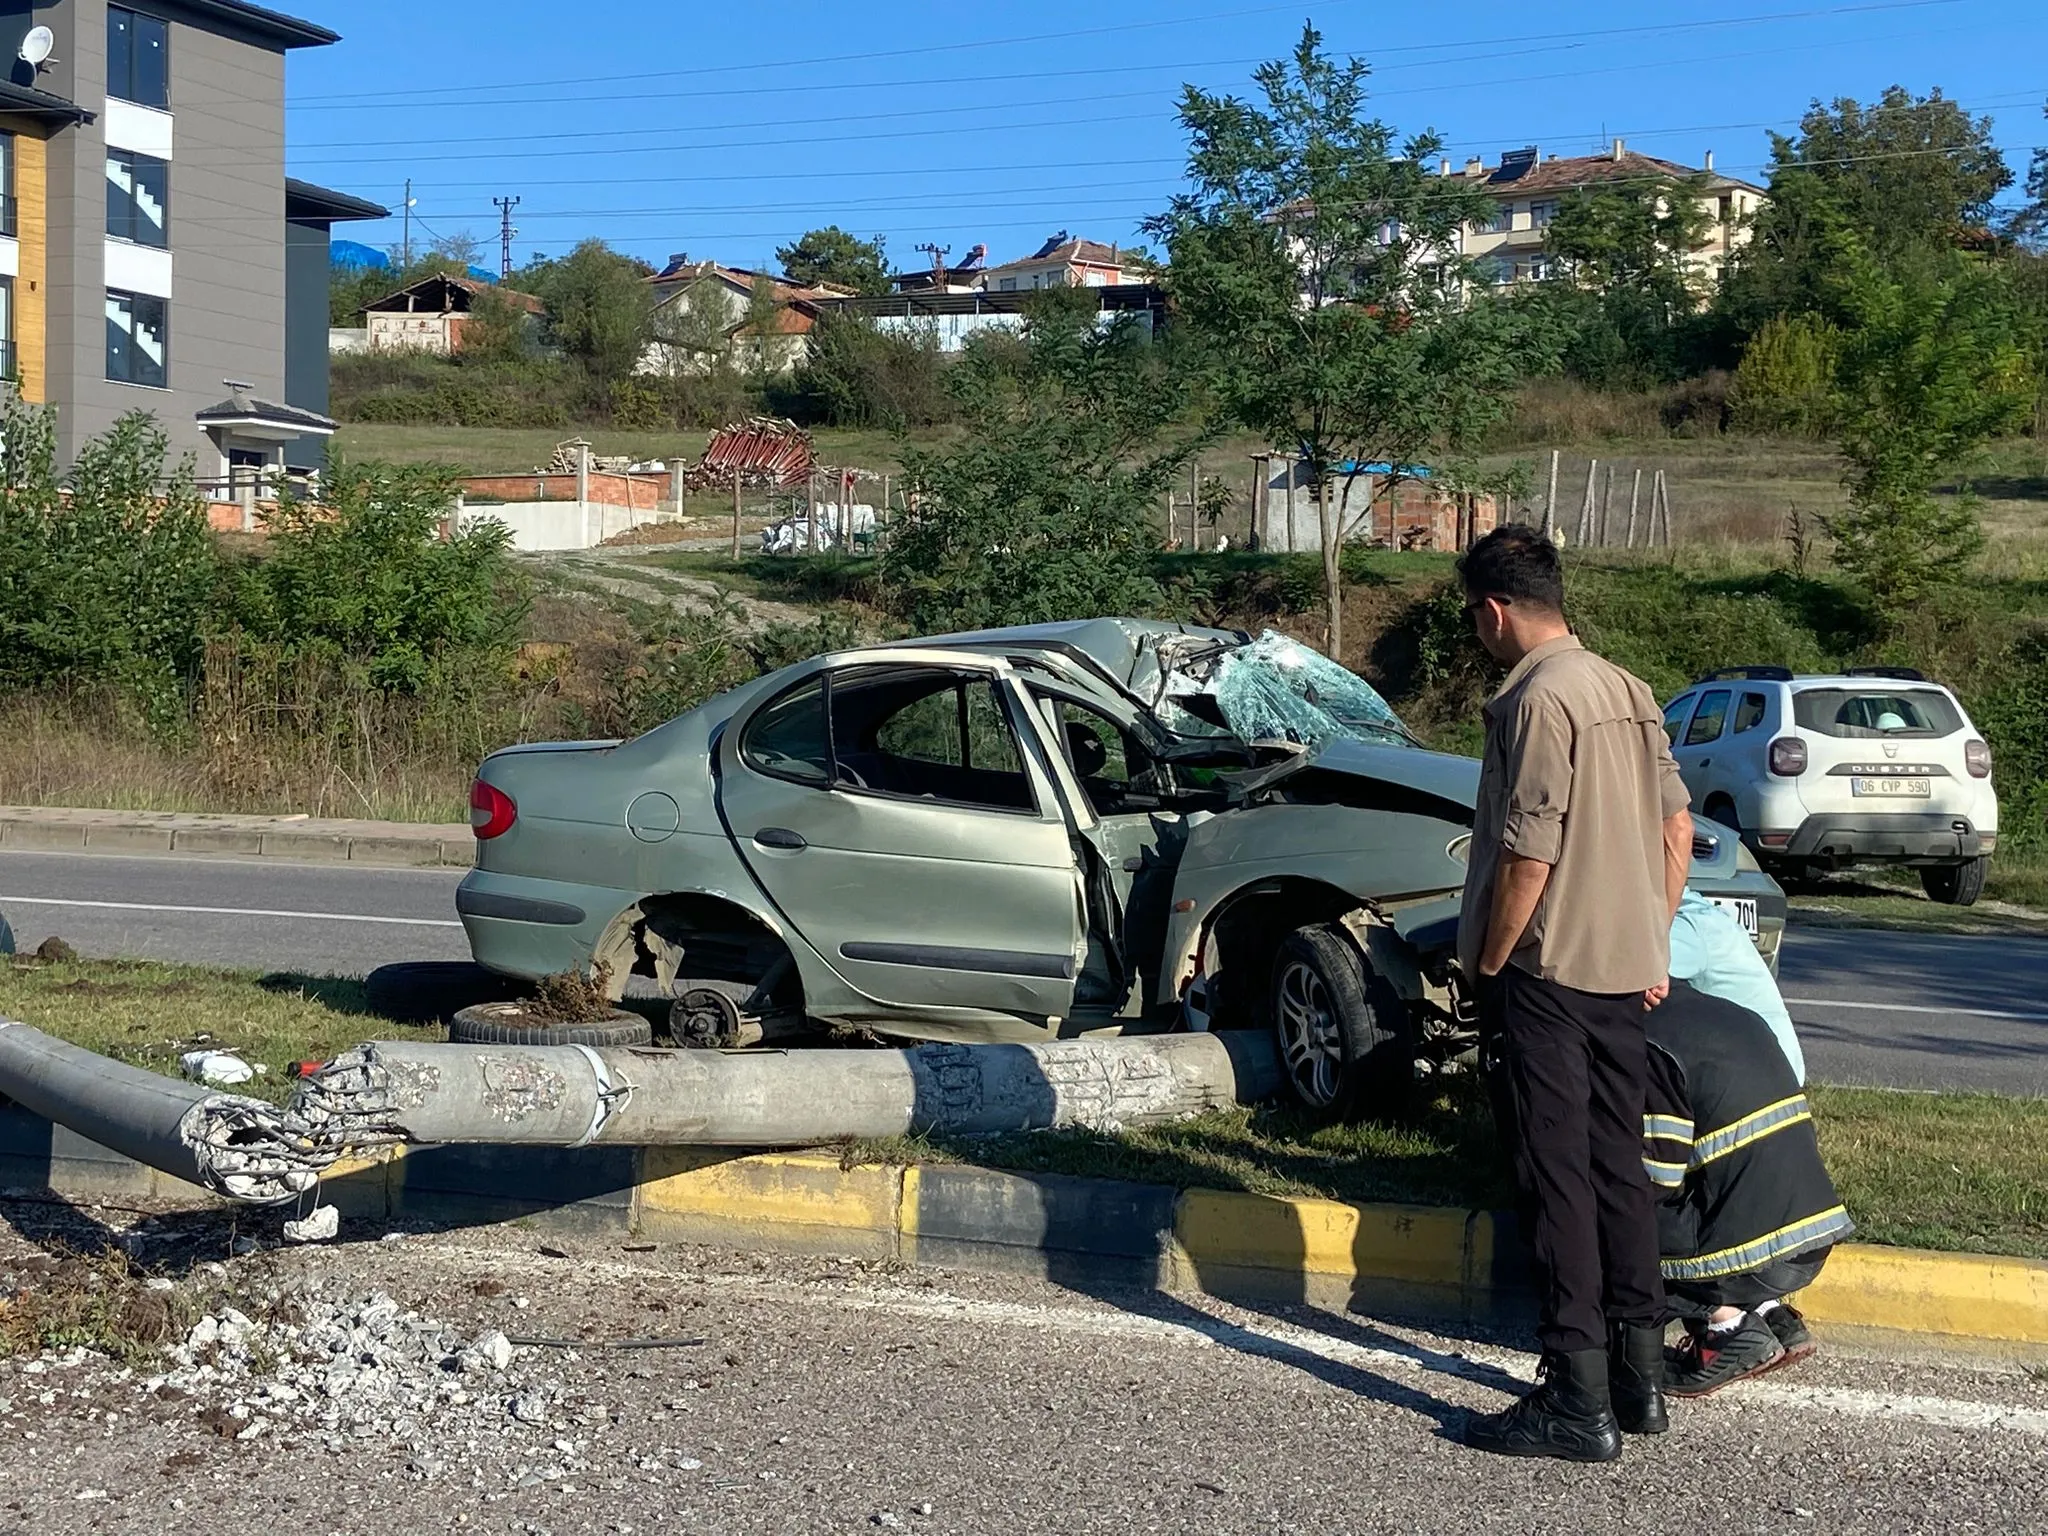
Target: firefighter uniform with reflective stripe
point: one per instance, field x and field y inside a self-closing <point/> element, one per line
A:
<point x="1728" y="1142"/>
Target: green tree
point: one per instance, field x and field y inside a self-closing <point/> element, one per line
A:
<point x="1042" y="509"/>
<point x="599" y="308"/>
<point x="110" y="579"/>
<point x="1312" y="263"/>
<point x="1929" y="366"/>
<point x="831" y="255"/>
<point x="1634" y="235"/>
<point x="1906" y="172"/>
<point x="497" y="330"/>
<point x="855" y="374"/>
<point x="366" y="578"/>
<point x="1787" y="379"/>
<point x="2031" y="222"/>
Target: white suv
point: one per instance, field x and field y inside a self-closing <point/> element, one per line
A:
<point x="1874" y="766"/>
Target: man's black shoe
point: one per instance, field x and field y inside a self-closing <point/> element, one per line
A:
<point x="1566" y="1417"/>
<point x="1635" y="1379"/>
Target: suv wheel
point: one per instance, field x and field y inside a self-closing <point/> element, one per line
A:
<point x="1344" y="1036"/>
<point x="1955" y="885"/>
<point x="1721" y="809"/>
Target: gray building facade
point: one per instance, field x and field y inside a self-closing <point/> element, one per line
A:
<point x="173" y="259"/>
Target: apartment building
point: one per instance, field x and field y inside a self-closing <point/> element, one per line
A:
<point x="152" y="252"/>
<point x="1527" y="188"/>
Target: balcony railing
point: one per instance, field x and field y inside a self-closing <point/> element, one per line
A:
<point x="7" y="213"/>
<point x="8" y="370"/>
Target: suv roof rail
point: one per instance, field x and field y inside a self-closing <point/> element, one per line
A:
<point x="1897" y="674"/>
<point x="1746" y="675"/>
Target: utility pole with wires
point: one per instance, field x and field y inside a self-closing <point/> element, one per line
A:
<point x="405" y="249"/>
<point x="505" y="205"/>
<point x="938" y="254"/>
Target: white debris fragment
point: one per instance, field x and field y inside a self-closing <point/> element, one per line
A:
<point x="319" y="1226"/>
<point x="495" y="1349"/>
<point x="222" y="1068"/>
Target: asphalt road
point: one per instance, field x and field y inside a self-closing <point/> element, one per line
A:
<point x="1878" y="1008"/>
<point x="806" y="1396"/>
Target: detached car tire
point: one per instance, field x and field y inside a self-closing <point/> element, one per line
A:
<point x="513" y="1024"/>
<point x="1955" y="885"/>
<point x="1344" y="1037"/>
<point x="433" y="991"/>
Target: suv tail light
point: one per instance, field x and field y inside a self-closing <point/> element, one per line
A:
<point x="1788" y="757"/>
<point x="491" y="811"/>
<point x="1977" y="758"/>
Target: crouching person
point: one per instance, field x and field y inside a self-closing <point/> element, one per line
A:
<point x="1746" y="1211"/>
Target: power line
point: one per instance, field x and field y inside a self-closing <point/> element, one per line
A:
<point x="819" y="61"/>
<point x="1634" y="67"/>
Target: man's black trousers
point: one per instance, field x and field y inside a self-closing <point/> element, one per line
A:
<point x="1573" y="1069"/>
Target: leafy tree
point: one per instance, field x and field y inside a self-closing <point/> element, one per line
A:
<point x="855" y="374"/>
<point x="112" y="583"/>
<point x="2031" y="222"/>
<point x="1311" y="261"/>
<point x="1634" y="235"/>
<point x="1906" y="172"/>
<point x="831" y="255"/>
<point x="599" y="307"/>
<point x="366" y="578"/>
<point x="1929" y="367"/>
<point x="1042" y="510"/>
<point x="497" y="330"/>
<point x="1787" y="378"/>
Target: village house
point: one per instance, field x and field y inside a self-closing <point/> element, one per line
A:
<point x="429" y="315"/>
<point x="1527" y="188"/>
<point x="704" y="310"/>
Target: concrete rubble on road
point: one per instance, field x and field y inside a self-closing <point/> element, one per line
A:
<point x="400" y="1093"/>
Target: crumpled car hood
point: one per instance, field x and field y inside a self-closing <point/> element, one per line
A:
<point x="1439" y="775"/>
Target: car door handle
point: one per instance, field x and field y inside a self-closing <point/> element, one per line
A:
<point x="780" y="837"/>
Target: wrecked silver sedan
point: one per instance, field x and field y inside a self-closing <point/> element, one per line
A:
<point x="1103" y="825"/>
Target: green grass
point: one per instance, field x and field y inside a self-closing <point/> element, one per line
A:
<point x="2015" y="900"/>
<point x="1965" y="1172"/>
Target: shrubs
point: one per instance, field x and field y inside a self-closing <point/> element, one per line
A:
<point x="1786" y="382"/>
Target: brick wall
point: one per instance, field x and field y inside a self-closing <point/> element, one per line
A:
<point x="643" y="493"/>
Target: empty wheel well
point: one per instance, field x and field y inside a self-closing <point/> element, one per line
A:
<point x="1245" y="936"/>
<point x="700" y="937"/>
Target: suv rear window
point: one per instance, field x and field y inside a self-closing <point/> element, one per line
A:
<point x="1875" y="712"/>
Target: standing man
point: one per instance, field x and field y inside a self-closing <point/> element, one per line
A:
<point x="1580" y="848"/>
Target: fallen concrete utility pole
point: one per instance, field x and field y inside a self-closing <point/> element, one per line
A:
<point x="235" y="1146"/>
<point x="387" y="1093"/>
<point x="581" y="1096"/>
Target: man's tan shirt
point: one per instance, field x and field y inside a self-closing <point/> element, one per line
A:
<point x="1578" y="775"/>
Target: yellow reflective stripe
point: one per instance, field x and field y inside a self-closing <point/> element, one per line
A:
<point x="1666" y="1175"/>
<point x="1667" y="1128"/>
<point x="1728" y="1261"/>
<point x="1752" y="1127"/>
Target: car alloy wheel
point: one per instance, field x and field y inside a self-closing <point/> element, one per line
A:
<point x="1311" y="1044"/>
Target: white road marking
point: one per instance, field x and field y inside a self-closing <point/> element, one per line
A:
<point x="142" y="906"/>
<point x="1416" y="1361"/>
<point x="1955" y="1012"/>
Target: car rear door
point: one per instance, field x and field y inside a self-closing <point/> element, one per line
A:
<point x="1695" y="745"/>
<point x="889" y="810"/>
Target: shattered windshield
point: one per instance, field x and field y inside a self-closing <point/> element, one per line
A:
<point x="1275" y="689"/>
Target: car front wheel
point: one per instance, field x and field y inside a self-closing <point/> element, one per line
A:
<point x="1343" y="1033"/>
<point x="1955" y="885"/>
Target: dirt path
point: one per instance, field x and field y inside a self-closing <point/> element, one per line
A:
<point x="616" y="573"/>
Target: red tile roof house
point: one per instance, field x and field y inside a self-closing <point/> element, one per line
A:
<point x="429" y="315"/>
<point x="702" y="310"/>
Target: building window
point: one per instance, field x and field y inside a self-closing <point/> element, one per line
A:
<point x="1535" y="268"/>
<point x="1502" y="221"/>
<point x="7" y="224"/>
<point x="138" y="198"/>
<point x="138" y="58"/>
<point x="7" y="363"/>
<point x="1542" y="213"/>
<point x="138" y="339"/>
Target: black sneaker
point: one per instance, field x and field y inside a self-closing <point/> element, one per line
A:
<point x="1567" y="1416"/>
<point x="1707" y="1360"/>
<point x="1788" y="1326"/>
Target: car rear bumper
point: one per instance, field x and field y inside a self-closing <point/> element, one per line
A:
<point x="528" y="927"/>
<point x="1913" y="836"/>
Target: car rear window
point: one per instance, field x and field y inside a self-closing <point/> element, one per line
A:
<point x="1876" y="712"/>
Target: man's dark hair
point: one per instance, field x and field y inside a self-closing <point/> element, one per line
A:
<point x="1517" y="563"/>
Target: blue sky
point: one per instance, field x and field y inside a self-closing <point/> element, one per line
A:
<point x="725" y="132"/>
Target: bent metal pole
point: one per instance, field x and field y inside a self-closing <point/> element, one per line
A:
<point x="387" y="1092"/>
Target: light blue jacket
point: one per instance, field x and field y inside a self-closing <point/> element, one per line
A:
<point x="1711" y="950"/>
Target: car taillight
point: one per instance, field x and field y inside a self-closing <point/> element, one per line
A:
<point x="491" y="811"/>
<point x="1977" y="758"/>
<point x="1788" y="757"/>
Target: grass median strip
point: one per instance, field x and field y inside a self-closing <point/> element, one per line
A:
<point x="1961" y="1172"/>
